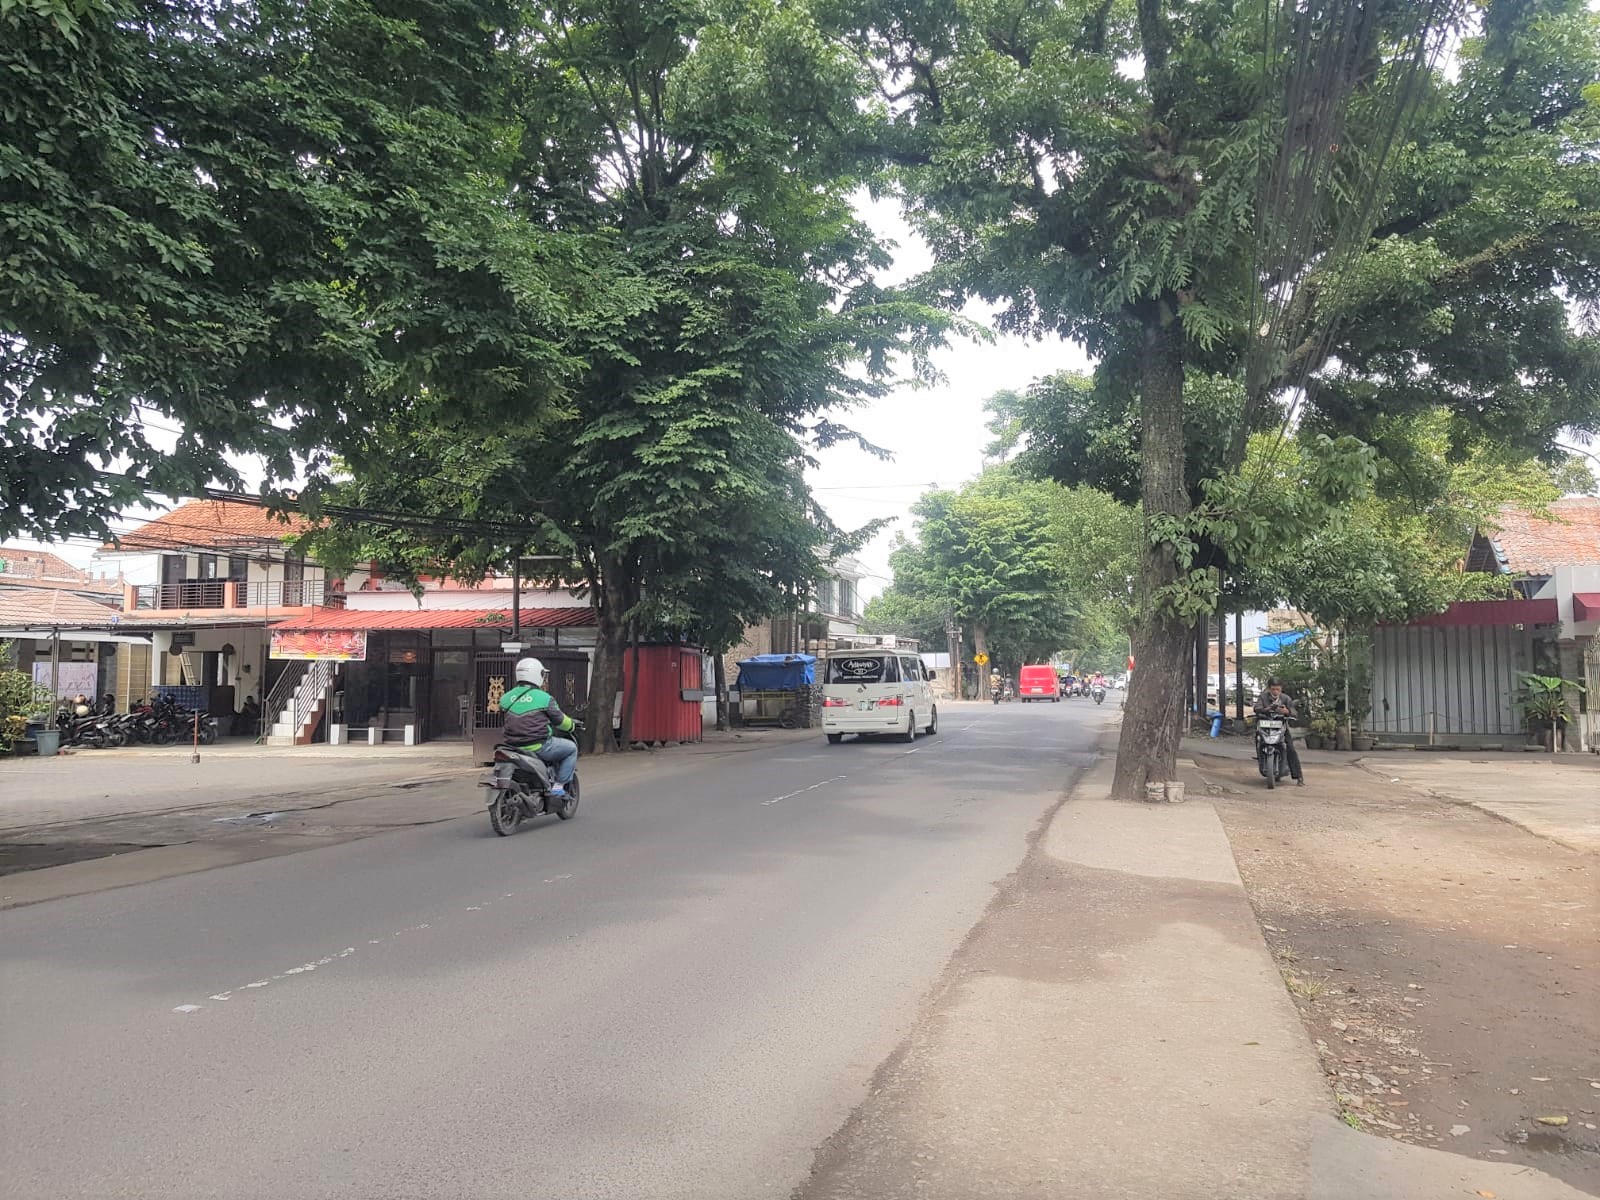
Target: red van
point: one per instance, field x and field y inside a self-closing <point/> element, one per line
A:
<point x="1039" y="683"/>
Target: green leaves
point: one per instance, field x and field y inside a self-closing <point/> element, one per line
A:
<point x="1040" y="567"/>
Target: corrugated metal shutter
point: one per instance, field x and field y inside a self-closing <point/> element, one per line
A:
<point x="1464" y="676"/>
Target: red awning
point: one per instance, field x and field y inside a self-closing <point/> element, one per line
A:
<point x="1586" y="606"/>
<point x="437" y="618"/>
<point x="1496" y="612"/>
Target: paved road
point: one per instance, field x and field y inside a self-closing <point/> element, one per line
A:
<point x="681" y="993"/>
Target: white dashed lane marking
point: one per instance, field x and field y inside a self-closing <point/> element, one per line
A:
<point x="804" y="790"/>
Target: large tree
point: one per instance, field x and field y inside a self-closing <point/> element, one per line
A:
<point x="1299" y="201"/>
<point x="710" y="151"/>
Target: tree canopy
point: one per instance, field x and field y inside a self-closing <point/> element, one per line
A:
<point x="258" y="227"/>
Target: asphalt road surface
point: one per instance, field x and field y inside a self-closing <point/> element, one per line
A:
<point x="680" y="993"/>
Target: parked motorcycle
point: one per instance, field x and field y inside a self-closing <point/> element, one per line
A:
<point x="1272" y="755"/>
<point x="519" y="790"/>
<point x="90" y="730"/>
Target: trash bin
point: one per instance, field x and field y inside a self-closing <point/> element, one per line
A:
<point x="48" y="741"/>
<point x="1216" y="724"/>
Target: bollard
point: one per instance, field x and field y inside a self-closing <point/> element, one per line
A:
<point x="195" y="757"/>
<point x="1216" y="724"/>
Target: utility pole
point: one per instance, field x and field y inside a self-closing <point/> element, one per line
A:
<point x="952" y="639"/>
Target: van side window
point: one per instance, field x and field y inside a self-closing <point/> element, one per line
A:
<point x="891" y="670"/>
<point x="912" y="668"/>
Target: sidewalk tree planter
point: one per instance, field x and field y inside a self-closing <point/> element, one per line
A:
<point x="1543" y="701"/>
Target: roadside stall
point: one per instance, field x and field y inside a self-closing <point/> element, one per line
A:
<point x="776" y="689"/>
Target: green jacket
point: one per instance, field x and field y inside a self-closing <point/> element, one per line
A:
<point x="530" y="715"/>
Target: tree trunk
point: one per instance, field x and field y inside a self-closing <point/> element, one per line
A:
<point x="1152" y="718"/>
<point x="605" y="681"/>
<point x="630" y="689"/>
<point x="719" y="676"/>
<point x="980" y="645"/>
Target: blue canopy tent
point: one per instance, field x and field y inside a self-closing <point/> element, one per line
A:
<point x="769" y="687"/>
<point x="771" y="672"/>
<point x="1274" y="643"/>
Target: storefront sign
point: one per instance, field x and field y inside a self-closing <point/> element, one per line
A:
<point x="340" y="645"/>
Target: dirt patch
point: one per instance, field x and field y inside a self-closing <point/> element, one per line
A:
<point x="1446" y="964"/>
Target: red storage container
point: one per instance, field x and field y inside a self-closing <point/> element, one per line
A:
<point x="667" y="707"/>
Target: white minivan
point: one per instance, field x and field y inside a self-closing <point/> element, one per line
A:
<point x="876" y="692"/>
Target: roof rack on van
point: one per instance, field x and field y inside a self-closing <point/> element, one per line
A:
<point x="874" y="641"/>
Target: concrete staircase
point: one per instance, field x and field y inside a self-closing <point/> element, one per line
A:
<point x="304" y="702"/>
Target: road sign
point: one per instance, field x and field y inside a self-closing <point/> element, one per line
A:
<point x="980" y="659"/>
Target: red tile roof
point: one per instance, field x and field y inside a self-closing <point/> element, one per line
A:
<point x="23" y="567"/>
<point x="56" y="608"/>
<point x="437" y="618"/>
<point x="1527" y="544"/>
<point x="209" y="525"/>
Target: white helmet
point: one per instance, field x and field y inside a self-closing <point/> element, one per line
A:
<point x="530" y="670"/>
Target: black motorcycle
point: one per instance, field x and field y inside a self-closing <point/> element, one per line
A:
<point x="519" y="790"/>
<point x="92" y="730"/>
<point x="1272" y="751"/>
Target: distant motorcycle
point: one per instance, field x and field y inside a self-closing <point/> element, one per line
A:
<point x="519" y="790"/>
<point x="1099" y="693"/>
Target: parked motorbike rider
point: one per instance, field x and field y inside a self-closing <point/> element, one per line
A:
<point x="1273" y="703"/>
<point x="531" y="714"/>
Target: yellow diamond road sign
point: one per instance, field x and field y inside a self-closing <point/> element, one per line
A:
<point x="980" y="659"/>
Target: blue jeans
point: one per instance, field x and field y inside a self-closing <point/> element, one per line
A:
<point x="562" y="755"/>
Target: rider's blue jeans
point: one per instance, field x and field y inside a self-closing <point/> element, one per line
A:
<point x="562" y="755"/>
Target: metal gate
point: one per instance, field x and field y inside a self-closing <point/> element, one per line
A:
<point x="493" y="677"/>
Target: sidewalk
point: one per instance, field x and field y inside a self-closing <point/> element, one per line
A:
<point x="1551" y="796"/>
<point x="69" y="826"/>
<point x="1116" y="1028"/>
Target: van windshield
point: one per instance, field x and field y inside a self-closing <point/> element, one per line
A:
<point x="863" y="668"/>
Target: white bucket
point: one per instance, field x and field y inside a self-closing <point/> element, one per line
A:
<point x="1174" y="791"/>
<point x="1155" y="793"/>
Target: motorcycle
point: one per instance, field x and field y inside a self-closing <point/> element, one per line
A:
<point x="519" y="790"/>
<point x="92" y="730"/>
<point x="1099" y="693"/>
<point x="1272" y="755"/>
<point x="995" y="693"/>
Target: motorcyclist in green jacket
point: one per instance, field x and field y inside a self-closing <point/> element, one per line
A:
<point x="531" y="714"/>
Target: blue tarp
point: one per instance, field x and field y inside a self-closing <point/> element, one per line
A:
<point x="776" y="672"/>
<point x="1274" y="643"/>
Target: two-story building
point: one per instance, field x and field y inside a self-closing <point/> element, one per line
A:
<point x="224" y="572"/>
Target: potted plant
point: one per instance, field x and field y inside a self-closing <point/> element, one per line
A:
<point x="1323" y="732"/>
<point x="1545" y="711"/>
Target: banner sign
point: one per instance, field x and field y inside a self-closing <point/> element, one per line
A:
<point x="340" y="645"/>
